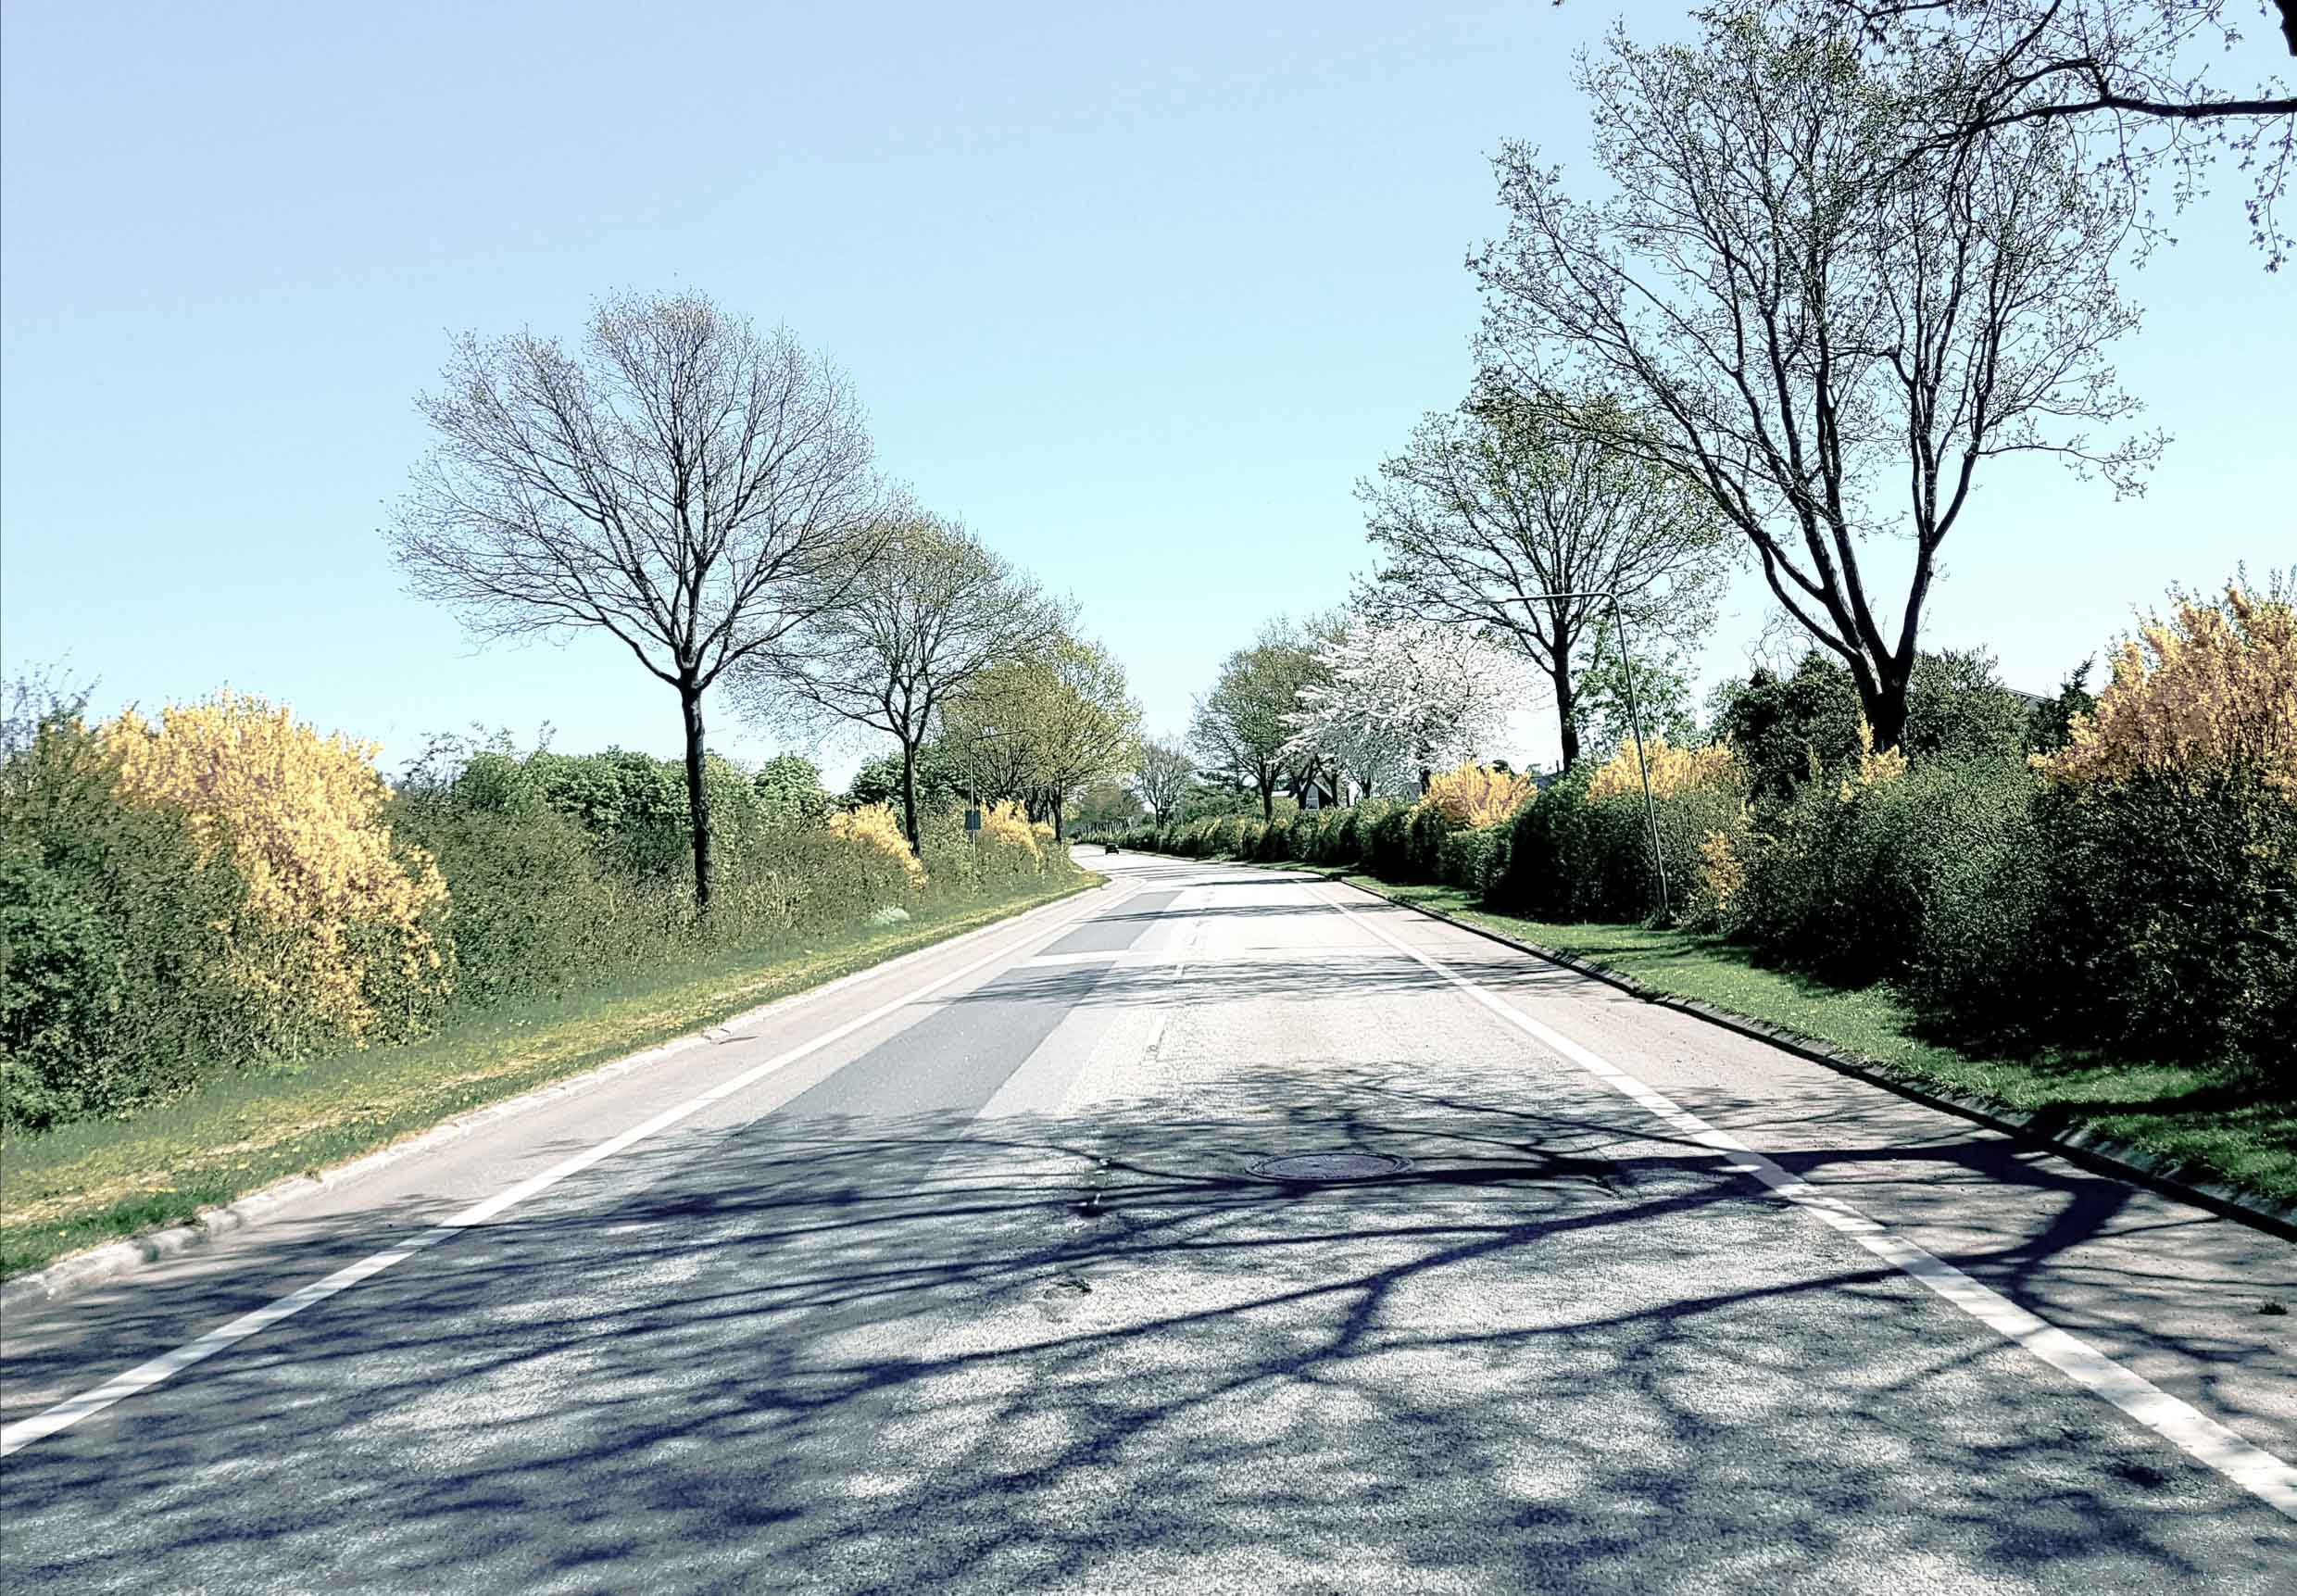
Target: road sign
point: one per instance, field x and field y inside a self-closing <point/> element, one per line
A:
<point x="973" y="819"/>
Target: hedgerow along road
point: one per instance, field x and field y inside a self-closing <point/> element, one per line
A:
<point x="1220" y="1229"/>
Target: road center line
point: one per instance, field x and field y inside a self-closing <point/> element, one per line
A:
<point x="2251" y="1467"/>
<point x="145" y="1375"/>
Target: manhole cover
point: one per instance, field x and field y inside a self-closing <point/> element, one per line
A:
<point x="1322" y="1166"/>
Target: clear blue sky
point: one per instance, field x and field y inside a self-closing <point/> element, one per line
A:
<point x="1137" y="293"/>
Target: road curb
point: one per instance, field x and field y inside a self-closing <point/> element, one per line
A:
<point x="2076" y="1143"/>
<point x="112" y="1259"/>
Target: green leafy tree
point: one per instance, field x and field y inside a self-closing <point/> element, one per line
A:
<point x="927" y="608"/>
<point x="1242" y="730"/>
<point x="1517" y="515"/>
<point x="1663" y="699"/>
<point x="790" y="791"/>
<point x="2050" y="723"/>
<point x="1039" y="727"/>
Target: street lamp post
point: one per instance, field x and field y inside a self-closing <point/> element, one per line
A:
<point x="1635" y="724"/>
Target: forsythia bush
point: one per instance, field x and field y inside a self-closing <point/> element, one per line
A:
<point x="1673" y="770"/>
<point x="874" y="834"/>
<point x="1721" y="870"/>
<point x="1473" y="795"/>
<point x="1874" y="769"/>
<point x="2210" y="692"/>
<point x="1008" y="841"/>
<point x="339" y="914"/>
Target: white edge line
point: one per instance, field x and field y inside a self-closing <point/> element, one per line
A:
<point x="2251" y="1467"/>
<point x="145" y="1375"/>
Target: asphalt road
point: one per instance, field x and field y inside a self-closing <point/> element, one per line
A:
<point x="961" y="1280"/>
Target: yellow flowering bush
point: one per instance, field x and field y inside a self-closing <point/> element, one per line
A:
<point x="1673" y="770"/>
<point x="1722" y="873"/>
<point x="1008" y="842"/>
<point x="2210" y="691"/>
<point x="1473" y="795"/>
<point x="1874" y="769"/>
<point x="874" y="835"/>
<point x="337" y="913"/>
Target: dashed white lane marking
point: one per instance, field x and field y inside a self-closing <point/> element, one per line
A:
<point x="2253" y="1468"/>
<point x="143" y="1376"/>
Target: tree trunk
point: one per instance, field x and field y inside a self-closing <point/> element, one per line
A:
<point x="1567" y="721"/>
<point x="1886" y="709"/>
<point x="698" y="795"/>
<point x="1428" y="780"/>
<point x="1061" y="832"/>
<point x="909" y="793"/>
<point x="1268" y="798"/>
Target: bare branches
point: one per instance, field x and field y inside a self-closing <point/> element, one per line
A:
<point x="2140" y="79"/>
<point x="677" y="487"/>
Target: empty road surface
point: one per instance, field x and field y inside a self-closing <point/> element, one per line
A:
<point x="960" y="1276"/>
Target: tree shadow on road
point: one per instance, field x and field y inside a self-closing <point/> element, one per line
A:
<point x="1560" y="1350"/>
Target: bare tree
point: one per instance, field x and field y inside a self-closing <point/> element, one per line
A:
<point x="1516" y="516"/>
<point x="1805" y="313"/>
<point x="926" y="610"/>
<point x="1162" y="774"/>
<point x="680" y="485"/>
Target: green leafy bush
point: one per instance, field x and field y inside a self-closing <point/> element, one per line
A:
<point x="1844" y="879"/>
<point x="1473" y="858"/>
<point x="1424" y="843"/>
<point x="113" y="983"/>
<point x="2167" y="918"/>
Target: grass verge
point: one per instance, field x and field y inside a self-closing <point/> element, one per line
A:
<point x="2219" y="1128"/>
<point x="86" y="1184"/>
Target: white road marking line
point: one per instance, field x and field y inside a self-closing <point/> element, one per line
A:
<point x="1181" y="946"/>
<point x="1109" y="956"/>
<point x="145" y="1375"/>
<point x="2253" y="1468"/>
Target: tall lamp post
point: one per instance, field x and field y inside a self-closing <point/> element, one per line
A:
<point x="973" y="772"/>
<point x="1635" y="724"/>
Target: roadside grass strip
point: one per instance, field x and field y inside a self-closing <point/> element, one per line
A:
<point x="92" y="1183"/>
<point x="2253" y="1468"/>
<point x="145" y="1375"/>
<point x="2217" y="1126"/>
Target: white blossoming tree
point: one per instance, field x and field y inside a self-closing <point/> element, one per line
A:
<point x="1414" y="697"/>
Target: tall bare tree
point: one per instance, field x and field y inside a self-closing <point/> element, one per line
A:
<point x="927" y="608"/>
<point x="680" y="484"/>
<point x="1808" y="309"/>
<point x="1514" y="516"/>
